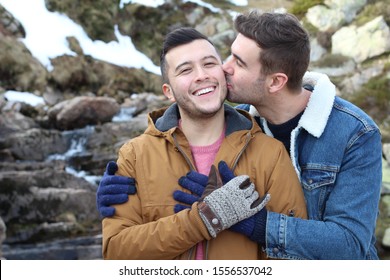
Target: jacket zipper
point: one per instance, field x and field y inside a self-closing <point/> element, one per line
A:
<point x="192" y="168"/>
<point x="247" y="140"/>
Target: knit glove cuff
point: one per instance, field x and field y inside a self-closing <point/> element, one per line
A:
<point x="258" y="234"/>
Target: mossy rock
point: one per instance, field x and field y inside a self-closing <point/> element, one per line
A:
<point x="373" y="10"/>
<point x="331" y="60"/>
<point x="97" y="17"/>
<point x="300" y="7"/>
<point x="374" y="97"/>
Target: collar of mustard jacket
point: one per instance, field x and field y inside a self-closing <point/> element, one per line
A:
<point x="167" y="119"/>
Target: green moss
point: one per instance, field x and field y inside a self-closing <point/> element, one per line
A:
<point x="383" y="222"/>
<point x="97" y="21"/>
<point x="373" y="61"/>
<point x="300" y="7"/>
<point x="372" y="11"/>
<point x="310" y="28"/>
<point x="338" y="81"/>
<point x="98" y="24"/>
<point x="374" y="97"/>
<point x="386" y="172"/>
<point x="331" y="60"/>
<point x="147" y="26"/>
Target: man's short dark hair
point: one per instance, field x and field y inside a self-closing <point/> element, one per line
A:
<point x="175" y="38"/>
<point x="284" y="43"/>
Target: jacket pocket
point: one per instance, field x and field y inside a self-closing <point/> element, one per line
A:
<point x="317" y="186"/>
<point x="316" y="178"/>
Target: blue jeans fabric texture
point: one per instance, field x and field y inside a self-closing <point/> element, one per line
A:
<point x="337" y="153"/>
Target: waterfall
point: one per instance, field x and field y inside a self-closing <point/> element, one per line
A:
<point x="77" y="140"/>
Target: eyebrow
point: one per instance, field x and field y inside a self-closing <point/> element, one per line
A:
<point x="239" y="59"/>
<point x="189" y="62"/>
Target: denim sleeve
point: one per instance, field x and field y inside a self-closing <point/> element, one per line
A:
<point x="347" y="228"/>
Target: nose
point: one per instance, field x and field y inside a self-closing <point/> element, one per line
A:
<point x="227" y="66"/>
<point x="202" y="74"/>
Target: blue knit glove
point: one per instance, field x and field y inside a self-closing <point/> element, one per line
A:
<point x="195" y="183"/>
<point x="253" y="227"/>
<point x="113" y="189"/>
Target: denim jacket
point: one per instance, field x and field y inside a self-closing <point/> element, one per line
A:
<point x="336" y="151"/>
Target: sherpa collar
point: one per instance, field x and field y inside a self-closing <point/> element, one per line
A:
<point x="320" y="104"/>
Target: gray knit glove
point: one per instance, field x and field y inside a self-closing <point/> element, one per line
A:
<point x="222" y="207"/>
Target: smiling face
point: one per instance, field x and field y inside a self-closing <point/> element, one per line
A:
<point x="196" y="79"/>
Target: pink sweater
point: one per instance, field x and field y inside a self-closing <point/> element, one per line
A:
<point x="204" y="157"/>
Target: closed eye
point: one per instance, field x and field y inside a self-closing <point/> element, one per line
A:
<point x="183" y="71"/>
<point x="239" y="62"/>
<point x="210" y="64"/>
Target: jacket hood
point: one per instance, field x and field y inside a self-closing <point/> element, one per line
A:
<point x="166" y="119"/>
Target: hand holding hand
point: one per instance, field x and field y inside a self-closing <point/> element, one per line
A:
<point x="246" y="226"/>
<point x="222" y="207"/>
<point x="195" y="183"/>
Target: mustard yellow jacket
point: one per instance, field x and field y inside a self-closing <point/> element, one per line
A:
<point x="146" y="226"/>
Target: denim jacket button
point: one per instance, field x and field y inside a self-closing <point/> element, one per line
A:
<point x="276" y="250"/>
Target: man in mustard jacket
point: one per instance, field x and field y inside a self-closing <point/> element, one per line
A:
<point x="197" y="131"/>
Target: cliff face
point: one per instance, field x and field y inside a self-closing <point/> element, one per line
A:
<point x="52" y="154"/>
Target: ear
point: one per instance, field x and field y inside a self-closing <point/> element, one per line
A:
<point x="167" y="90"/>
<point x="277" y="81"/>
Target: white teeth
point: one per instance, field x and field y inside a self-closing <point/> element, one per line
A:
<point x="204" y="91"/>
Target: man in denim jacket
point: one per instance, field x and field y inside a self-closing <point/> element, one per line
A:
<point x="334" y="146"/>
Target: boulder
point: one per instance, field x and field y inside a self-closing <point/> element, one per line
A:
<point x="364" y="42"/>
<point x="82" y="111"/>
